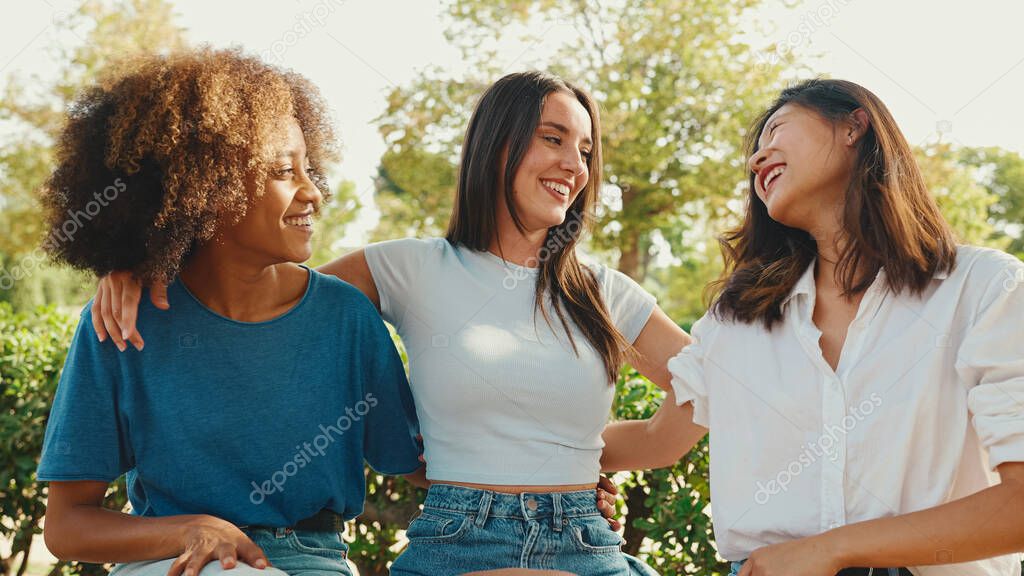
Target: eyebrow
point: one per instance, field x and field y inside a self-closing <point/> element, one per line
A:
<point x="561" y="128"/>
<point x="764" y="129"/>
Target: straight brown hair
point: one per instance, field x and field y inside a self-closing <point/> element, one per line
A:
<point x="506" y="117"/>
<point x="889" y="220"/>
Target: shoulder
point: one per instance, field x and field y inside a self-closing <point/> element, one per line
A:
<point x="333" y="291"/>
<point x="610" y="279"/>
<point x="408" y="247"/>
<point x="980" y="269"/>
<point x="978" y="260"/>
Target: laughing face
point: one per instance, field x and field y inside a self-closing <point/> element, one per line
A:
<point x="278" y="227"/>
<point x="803" y="166"/>
<point x="554" y="168"/>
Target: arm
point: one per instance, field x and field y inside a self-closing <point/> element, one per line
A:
<point x="418" y="478"/>
<point x="982" y="525"/>
<point x="352" y="268"/>
<point x="77" y="527"/>
<point x="116" y="305"/>
<point x="664" y="438"/>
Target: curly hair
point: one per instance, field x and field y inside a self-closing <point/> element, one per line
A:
<point x="161" y="153"/>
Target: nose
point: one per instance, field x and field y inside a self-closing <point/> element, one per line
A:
<point x="757" y="161"/>
<point x="574" y="162"/>
<point x="308" y="192"/>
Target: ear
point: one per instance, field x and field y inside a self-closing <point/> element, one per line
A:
<point x="857" y="126"/>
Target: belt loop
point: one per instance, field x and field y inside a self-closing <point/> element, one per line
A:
<point x="484" y="509"/>
<point x="556" y="520"/>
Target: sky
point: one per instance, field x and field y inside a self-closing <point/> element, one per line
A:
<point x="952" y="70"/>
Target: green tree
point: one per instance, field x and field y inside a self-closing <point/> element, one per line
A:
<point x="676" y="87"/>
<point x="1001" y="172"/>
<point x="34" y="107"/>
<point x="963" y="199"/>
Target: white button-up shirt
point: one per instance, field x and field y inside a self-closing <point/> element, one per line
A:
<point x="926" y="401"/>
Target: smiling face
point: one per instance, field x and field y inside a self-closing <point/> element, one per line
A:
<point x="803" y="166"/>
<point x="555" y="167"/>
<point x="278" y="226"/>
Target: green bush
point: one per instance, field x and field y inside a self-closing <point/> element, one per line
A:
<point x="32" y="349"/>
<point x="33" y="345"/>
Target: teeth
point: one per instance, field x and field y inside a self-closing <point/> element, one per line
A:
<point x="557" y="187"/>
<point x="777" y="171"/>
<point x="299" y="221"/>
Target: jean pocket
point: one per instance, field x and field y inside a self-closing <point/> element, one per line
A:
<point x="593" y="534"/>
<point x="326" y="544"/>
<point x="438" y="526"/>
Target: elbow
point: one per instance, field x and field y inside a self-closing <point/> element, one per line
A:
<point x="58" y="541"/>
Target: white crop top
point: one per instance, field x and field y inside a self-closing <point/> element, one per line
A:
<point x="501" y="396"/>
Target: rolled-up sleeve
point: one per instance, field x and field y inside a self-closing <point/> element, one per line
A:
<point x="687" y="369"/>
<point x="991" y="361"/>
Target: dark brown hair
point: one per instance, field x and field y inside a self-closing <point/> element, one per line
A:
<point x="154" y="158"/>
<point x="889" y="220"/>
<point x="506" y="117"/>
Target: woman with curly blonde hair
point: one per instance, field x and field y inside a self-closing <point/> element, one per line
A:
<point x="244" y="427"/>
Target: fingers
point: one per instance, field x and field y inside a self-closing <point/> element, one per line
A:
<point x="196" y="563"/>
<point x="614" y="524"/>
<point x="106" y="311"/>
<point x="607" y="485"/>
<point x="158" y="296"/>
<point x="130" y="297"/>
<point x="97" y="313"/>
<point x="252" y="555"/>
<point x="190" y="562"/>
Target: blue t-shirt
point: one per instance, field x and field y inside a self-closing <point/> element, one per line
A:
<point x="258" y="423"/>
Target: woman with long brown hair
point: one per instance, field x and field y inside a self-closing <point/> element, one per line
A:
<point x="861" y="374"/>
<point x="514" y="344"/>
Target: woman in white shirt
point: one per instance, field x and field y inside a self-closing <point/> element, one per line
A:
<point x="514" y="344"/>
<point x="862" y="376"/>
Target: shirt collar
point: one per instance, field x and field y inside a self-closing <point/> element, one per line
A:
<point x="805" y="285"/>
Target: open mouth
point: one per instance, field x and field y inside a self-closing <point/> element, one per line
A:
<point x="770" y="174"/>
<point x="557" y="188"/>
<point x="304" y="222"/>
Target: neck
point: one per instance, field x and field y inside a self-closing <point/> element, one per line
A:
<point x="516" y="246"/>
<point x="242" y="288"/>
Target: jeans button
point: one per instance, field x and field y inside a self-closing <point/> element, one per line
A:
<point x="531" y="504"/>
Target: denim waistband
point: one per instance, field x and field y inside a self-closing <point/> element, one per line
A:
<point x="524" y="505"/>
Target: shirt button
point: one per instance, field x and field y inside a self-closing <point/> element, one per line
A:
<point x="531" y="504"/>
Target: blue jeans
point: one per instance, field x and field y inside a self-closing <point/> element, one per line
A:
<point x="290" y="552"/>
<point x="465" y="529"/>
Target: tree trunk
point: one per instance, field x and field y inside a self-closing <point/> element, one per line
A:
<point x="25" y="552"/>
<point x="629" y="255"/>
<point x="635" y="499"/>
<point x="630" y="259"/>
